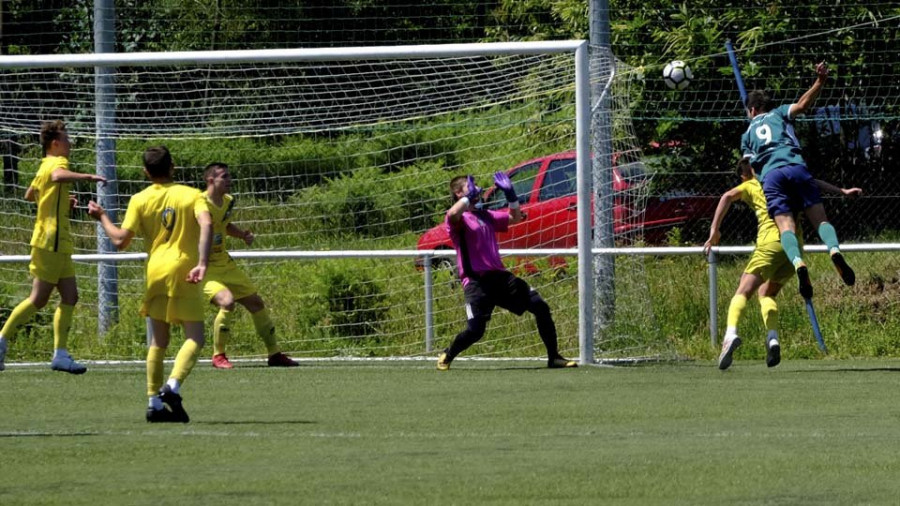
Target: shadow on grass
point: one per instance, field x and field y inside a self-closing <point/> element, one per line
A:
<point x="47" y="434"/>
<point x="854" y="369"/>
<point x="256" y="422"/>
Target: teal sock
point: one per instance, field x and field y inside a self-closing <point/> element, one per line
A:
<point x="791" y="247"/>
<point x="829" y="236"/>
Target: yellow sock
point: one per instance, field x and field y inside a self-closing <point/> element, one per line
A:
<point x="185" y="360"/>
<point x="221" y="330"/>
<point x="21" y="314"/>
<point x="62" y="322"/>
<point x="738" y="303"/>
<point x="265" y="329"/>
<point x="769" y="312"/>
<point x="155" y="369"/>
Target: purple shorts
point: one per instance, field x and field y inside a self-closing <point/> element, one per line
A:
<point x="790" y="189"/>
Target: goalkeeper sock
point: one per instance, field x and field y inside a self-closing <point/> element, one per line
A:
<point x="155" y="369"/>
<point x="769" y="313"/>
<point x="266" y="330"/>
<point x="62" y="322"/>
<point x="791" y="248"/>
<point x="21" y="314"/>
<point x="184" y="363"/>
<point x="829" y="236"/>
<point x="735" y="308"/>
<point x="221" y="330"/>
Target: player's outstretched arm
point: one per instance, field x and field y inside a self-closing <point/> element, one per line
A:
<point x="503" y="183"/>
<point x="722" y="208"/>
<point x="67" y="176"/>
<point x="206" y="231"/>
<point x="827" y="187"/>
<point x="806" y="100"/>
<point x="120" y="237"/>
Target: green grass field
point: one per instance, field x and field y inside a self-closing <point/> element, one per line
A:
<point x="806" y="432"/>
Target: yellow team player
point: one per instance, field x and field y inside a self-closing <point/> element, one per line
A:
<point x="768" y="269"/>
<point x="176" y="227"/>
<point x="225" y="282"/>
<point x="51" y="247"/>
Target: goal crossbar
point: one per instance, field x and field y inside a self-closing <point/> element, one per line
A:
<point x="288" y="55"/>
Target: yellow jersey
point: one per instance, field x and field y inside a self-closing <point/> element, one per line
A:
<point x="165" y="215"/>
<point x="752" y="193"/>
<point x="221" y="218"/>
<point x="52" y="231"/>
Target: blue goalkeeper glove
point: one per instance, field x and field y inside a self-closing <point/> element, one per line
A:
<point x="505" y="185"/>
<point x="474" y="193"/>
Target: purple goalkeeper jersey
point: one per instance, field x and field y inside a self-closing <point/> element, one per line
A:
<point x="480" y="229"/>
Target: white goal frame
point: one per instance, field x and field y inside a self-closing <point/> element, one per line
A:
<point x="579" y="49"/>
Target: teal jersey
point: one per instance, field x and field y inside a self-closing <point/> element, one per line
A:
<point x="770" y="141"/>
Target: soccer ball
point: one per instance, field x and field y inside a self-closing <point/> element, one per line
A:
<point x="677" y="75"/>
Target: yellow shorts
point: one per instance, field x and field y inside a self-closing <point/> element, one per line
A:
<point x="770" y="263"/>
<point x="228" y="276"/>
<point x="51" y="266"/>
<point x="174" y="309"/>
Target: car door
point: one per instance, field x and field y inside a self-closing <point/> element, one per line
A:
<point x="554" y="216"/>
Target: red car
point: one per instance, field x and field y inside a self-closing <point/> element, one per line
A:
<point x="546" y="187"/>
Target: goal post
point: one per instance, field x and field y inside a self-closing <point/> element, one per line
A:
<point x="333" y="149"/>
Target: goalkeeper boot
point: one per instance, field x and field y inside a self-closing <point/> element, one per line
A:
<point x="3" y="347"/>
<point x="843" y="269"/>
<point x="773" y="352"/>
<point x="806" y="290"/>
<point x="729" y="344"/>
<point x="162" y="415"/>
<point x="281" y="360"/>
<point x="173" y="400"/>
<point x="443" y="363"/>
<point x="65" y="363"/>
<point x="558" y="362"/>
<point x="220" y="361"/>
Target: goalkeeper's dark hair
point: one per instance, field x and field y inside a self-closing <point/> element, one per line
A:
<point x="742" y="166"/>
<point x="760" y="100"/>
<point x="51" y="131"/>
<point x="158" y="161"/>
<point x="212" y="168"/>
<point x="456" y="184"/>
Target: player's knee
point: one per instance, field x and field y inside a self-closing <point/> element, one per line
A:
<point x="224" y="300"/>
<point x="476" y="327"/>
<point x="538" y="306"/>
<point x="253" y="303"/>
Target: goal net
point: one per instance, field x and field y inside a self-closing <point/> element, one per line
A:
<point x="331" y="156"/>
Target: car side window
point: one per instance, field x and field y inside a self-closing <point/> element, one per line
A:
<point x="523" y="182"/>
<point x="559" y="181"/>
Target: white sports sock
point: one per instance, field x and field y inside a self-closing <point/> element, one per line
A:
<point x="174" y="385"/>
<point x="155" y="403"/>
<point x="731" y="332"/>
<point x="60" y="352"/>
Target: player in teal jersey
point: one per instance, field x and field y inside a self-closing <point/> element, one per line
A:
<point x="774" y="152"/>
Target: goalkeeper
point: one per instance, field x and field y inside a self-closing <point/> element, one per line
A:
<point x="175" y="224"/>
<point x="768" y="269"/>
<point x="225" y="283"/>
<point x="774" y="152"/>
<point x="486" y="281"/>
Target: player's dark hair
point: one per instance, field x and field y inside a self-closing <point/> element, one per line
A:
<point x="760" y="100"/>
<point x="212" y="168"/>
<point x="742" y="166"/>
<point x="456" y="184"/>
<point x="51" y="131"/>
<point x="157" y="161"/>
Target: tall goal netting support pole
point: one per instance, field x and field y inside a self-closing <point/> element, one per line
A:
<point x="603" y="69"/>
<point x="105" y="107"/>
